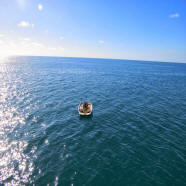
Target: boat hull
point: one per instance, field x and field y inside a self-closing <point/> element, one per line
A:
<point x="85" y="114"/>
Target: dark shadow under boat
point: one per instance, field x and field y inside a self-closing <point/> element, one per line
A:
<point x="89" y="117"/>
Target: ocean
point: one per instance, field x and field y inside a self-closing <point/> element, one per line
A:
<point x="136" y="135"/>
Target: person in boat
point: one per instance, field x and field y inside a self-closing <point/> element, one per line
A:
<point x="85" y="106"/>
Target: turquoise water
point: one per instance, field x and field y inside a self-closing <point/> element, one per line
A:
<point x="135" y="137"/>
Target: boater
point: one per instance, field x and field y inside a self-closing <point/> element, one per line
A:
<point x="85" y="106"/>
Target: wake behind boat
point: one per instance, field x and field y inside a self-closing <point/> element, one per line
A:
<point x="85" y="109"/>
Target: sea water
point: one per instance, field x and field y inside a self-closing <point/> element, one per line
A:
<point x="136" y="136"/>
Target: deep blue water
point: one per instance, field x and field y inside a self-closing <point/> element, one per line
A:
<point x="136" y="136"/>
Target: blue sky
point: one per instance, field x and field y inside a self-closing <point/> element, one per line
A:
<point x="124" y="29"/>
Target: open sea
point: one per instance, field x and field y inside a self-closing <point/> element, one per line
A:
<point x="135" y="137"/>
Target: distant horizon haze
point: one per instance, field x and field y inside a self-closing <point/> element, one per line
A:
<point x="8" y="58"/>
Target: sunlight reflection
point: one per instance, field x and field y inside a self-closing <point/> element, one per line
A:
<point x="16" y="165"/>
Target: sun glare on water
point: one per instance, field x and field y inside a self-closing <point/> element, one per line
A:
<point x="16" y="165"/>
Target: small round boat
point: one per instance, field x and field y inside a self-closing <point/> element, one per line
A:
<point x="85" y="109"/>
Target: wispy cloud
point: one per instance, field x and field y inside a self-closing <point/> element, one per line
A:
<point x="37" y="44"/>
<point x="52" y="48"/>
<point x="101" y="42"/>
<point x="25" y="24"/>
<point x="40" y="7"/>
<point x="176" y="15"/>
<point x="61" y="38"/>
<point x="26" y="39"/>
<point x="61" y="48"/>
<point x="28" y="46"/>
<point x="2" y="35"/>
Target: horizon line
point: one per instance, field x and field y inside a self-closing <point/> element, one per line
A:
<point x="96" y="58"/>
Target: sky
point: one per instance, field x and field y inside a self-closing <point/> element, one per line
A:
<point x="152" y="30"/>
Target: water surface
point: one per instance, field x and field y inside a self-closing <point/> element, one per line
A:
<point x="135" y="137"/>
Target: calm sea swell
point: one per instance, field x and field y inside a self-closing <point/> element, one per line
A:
<point x="135" y="137"/>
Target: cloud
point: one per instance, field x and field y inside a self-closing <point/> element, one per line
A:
<point x="13" y="44"/>
<point x="2" y="35"/>
<point x="52" y="48"/>
<point x="61" y="48"/>
<point x="26" y="39"/>
<point x="25" y="24"/>
<point x="37" y="44"/>
<point x="101" y="42"/>
<point x="28" y="46"/>
<point x="61" y="38"/>
<point x="176" y="15"/>
<point x="40" y="7"/>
